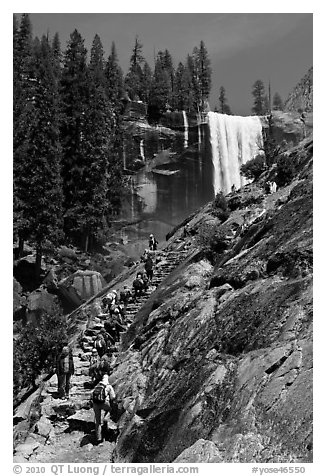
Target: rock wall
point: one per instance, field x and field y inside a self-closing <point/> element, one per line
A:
<point x="221" y="357"/>
<point x="301" y="98"/>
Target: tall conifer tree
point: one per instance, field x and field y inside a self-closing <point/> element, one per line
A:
<point x="74" y="100"/>
<point x="39" y="154"/>
<point x="224" y="107"/>
<point x="258" y="92"/>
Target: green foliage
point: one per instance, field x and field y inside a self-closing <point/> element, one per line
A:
<point x="212" y="240"/>
<point x="37" y="151"/>
<point x="114" y="80"/>
<point x="258" y="91"/>
<point x="36" y="348"/>
<point x="224" y="107"/>
<point x="277" y="102"/>
<point x="201" y="72"/>
<point x="220" y="207"/>
<point x="183" y="88"/>
<point x="286" y="167"/>
<point x="134" y="77"/>
<point x="253" y="168"/>
<point x="270" y="146"/>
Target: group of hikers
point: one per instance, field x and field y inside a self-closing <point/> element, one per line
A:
<point x="113" y="315"/>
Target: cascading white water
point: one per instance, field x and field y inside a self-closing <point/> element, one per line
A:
<point x="234" y="141"/>
<point x="141" y="150"/>
<point x="199" y="130"/>
<point x="186" y="127"/>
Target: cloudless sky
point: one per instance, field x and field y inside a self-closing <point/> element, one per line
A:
<point x="243" y="47"/>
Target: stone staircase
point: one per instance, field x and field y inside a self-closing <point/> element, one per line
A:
<point x="65" y="430"/>
<point x="168" y="261"/>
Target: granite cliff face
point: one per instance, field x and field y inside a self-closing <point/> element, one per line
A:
<point x="217" y="363"/>
<point x="219" y="360"/>
<point x="302" y="95"/>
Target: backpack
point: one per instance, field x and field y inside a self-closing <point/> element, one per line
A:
<point x="99" y="343"/>
<point x="65" y="364"/>
<point x="99" y="393"/>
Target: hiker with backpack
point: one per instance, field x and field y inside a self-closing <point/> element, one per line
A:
<point x="64" y="369"/>
<point x="125" y="296"/>
<point x="94" y="366"/>
<point x="152" y="242"/>
<point x="138" y="285"/>
<point x="100" y="345"/>
<point x="102" y="397"/>
<point x="149" y="268"/>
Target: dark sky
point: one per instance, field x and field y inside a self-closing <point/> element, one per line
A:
<point x="243" y="47"/>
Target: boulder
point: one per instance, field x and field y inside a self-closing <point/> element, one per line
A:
<point x="203" y="451"/>
<point x="40" y="301"/>
<point x="19" y="300"/>
<point x="81" y="286"/>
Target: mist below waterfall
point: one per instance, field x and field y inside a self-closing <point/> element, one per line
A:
<point x="234" y="140"/>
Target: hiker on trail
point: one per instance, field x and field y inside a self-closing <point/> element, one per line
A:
<point x="65" y="369"/>
<point x="100" y="345"/>
<point x="273" y="187"/>
<point x="145" y="281"/>
<point x="138" y="285"/>
<point x="125" y="296"/>
<point x="113" y="327"/>
<point x="149" y="268"/>
<point x="144" y="256"/>
<point x="268" y="187"/>
<point x="152" y="242"/>
<point x="94" y="366"/>
<point x="103" y="396"/>
<point x="109" y="301"/>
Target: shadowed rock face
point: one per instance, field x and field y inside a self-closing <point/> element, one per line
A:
<point x="224" y="370"/>
<point x="217" y="364"/>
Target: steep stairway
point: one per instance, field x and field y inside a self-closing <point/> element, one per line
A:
<point x="65" y="431"/>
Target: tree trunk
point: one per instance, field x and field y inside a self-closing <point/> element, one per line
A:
<point x="38" y="262"/>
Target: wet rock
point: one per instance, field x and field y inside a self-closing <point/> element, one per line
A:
<point x="203" y="451"/>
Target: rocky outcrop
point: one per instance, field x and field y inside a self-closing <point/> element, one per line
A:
<point x="301" y="98"/>
<point x="216" y="365"/>
<point x="81" y="286"/>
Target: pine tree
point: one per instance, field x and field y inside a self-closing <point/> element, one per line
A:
<point x="57" y="55"/>
<point x="23" y="84"/>
<point x="147" y="81"/>
<point x="97" y="144"/>
<point x="160" y="91"/>
<point x="134" y="77"/>
<point x="39" y="153"/>
<point x="201" y="76"/>
<point x="277" y="102"/>
<point x="205" y="73"/>
<point x="114" y="80"/>
<point x="74" y="100"/>
<point x="224" y="107"/>
<point x="258" y="92"/>
<point x="183" y="98"/>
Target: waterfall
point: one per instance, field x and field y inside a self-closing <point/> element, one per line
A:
<point x="141" y="150"/>
<point x="199" y="130"/>
<point x="185" y="122"/>
<point x="234" y="141"/>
